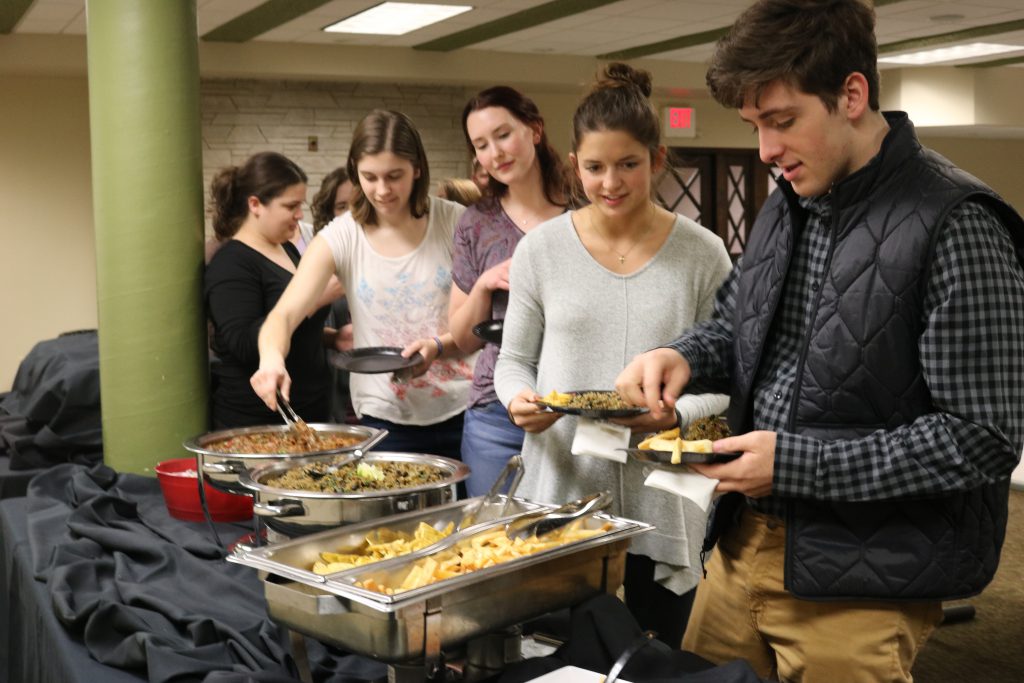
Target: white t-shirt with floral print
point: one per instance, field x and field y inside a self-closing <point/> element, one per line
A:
<point x="394" y="301"/>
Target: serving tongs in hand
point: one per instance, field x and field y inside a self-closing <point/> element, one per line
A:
<point x="511" y="474"/>
<point x="545" y="521"/>
<point x="292" y="419"/>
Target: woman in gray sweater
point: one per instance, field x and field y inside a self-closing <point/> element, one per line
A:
<point x="589" y="290"/>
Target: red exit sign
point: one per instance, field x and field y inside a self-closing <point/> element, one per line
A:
<point x="679" y="122"/>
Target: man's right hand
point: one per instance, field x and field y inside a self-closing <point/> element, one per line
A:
<point x="654" y="379"/>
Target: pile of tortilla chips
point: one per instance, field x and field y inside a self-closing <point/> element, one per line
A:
<point x="381" y="544"/>
<point x="671" y="442"/>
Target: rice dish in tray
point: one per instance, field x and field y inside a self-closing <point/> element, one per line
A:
<point x="333" y="477"/>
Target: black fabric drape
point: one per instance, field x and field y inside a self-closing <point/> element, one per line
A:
<point x="146" y="592"/>
<point x="52" y="413"/>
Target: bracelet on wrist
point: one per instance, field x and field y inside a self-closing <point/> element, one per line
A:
<point x="440" y="346"/>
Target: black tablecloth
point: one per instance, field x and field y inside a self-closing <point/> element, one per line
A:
<point x="99" y="583"/>
<point x="14" y="483"/>
<point x="34" y="647"/>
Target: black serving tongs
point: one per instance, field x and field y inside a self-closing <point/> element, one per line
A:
<point x="511" y="474"/>
<point x="545" y="521"/>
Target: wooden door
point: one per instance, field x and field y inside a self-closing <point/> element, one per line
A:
<point x="722" y="189"/>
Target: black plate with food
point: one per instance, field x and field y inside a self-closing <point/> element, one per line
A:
<point x="590" y="403"/>
<point x="663" y="459"/>
<point x="374" y="359"/>
<point x="490" y="331"/>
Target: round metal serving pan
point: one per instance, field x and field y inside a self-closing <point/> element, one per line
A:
<point x="293" y="512"/>
<point x="222" y="470"/>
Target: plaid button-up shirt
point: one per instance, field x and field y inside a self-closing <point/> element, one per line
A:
<point x="972" y="351"/>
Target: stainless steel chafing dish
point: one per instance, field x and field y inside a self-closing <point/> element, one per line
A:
<point x="415" y="625"/>
<point x="293" y="512"/>
<point x="222" y="470"/>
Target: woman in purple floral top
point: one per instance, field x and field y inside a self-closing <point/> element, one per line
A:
<point x="528" y="185"/>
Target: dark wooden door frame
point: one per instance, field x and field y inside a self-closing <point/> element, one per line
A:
<point x="714" y="164"/>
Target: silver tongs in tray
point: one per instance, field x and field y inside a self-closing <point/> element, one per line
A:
<point x="512" y="473"/>
<point x="545" y="521"/>
<point x="524" y="526"/>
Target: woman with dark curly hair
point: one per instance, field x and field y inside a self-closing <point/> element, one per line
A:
<point x="256" y="209"/>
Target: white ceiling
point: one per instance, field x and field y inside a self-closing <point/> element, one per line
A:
<point x="615" y="26"/>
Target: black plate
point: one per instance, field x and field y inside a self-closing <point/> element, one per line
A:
<point x="374" y="359"/>
<point x="663" y="459"/>
<point x="489" y="330"/>
<point x="593" y="413"/>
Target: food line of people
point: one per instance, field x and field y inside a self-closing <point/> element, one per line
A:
<point x="864" y="347"/>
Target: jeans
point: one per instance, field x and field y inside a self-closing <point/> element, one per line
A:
<point x="442" y="438"/>
<point x="488" y="441"/>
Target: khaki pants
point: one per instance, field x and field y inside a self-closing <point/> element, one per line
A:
<point x="743" y="611"/>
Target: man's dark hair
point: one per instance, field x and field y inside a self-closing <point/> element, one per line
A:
<point x="812" y="45"/>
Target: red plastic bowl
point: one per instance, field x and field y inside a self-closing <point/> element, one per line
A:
<point x="181" y="493"/>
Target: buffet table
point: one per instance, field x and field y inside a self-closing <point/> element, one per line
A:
<point x="99" y="583"/>
<point x="34" y="647"/>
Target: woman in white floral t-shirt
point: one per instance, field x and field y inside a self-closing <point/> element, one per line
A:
<point x="392" y="252"/>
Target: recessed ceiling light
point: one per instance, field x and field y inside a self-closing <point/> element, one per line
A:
<point x="396" y="18"/>
<point x="950" y="54"/>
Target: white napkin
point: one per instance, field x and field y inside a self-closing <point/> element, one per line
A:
<point x="601" y="439"/>
<point x="696" y="487"/>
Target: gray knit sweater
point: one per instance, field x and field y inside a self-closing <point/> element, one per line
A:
<point x="572" y="324"/>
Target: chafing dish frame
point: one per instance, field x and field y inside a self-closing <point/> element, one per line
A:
<point x="415" y="625"/>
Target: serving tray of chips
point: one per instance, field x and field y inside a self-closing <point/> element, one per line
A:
<point x="345" y="609"/>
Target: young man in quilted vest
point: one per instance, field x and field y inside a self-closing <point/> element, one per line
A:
<point x="871" y="341"/>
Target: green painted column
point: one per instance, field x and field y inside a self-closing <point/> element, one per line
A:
<point x="148" y="214"/>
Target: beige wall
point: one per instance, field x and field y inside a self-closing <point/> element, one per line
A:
<point x="996" y="162"/>
<point x="48" y="261"/>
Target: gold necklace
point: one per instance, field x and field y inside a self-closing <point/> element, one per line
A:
<point x="639" y="238"/>
<point x="524" y="221"/>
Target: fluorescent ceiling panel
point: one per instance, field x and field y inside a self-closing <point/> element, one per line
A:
<point x="949" y="54"/>
<point x="396" y="18"/>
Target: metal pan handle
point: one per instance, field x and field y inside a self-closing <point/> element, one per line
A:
<point x="358" y="453"/>
<point x="279" y="508"/>
<point x="226" y="467"/>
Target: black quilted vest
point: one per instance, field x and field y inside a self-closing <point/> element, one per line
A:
<point x="860" y="372"/>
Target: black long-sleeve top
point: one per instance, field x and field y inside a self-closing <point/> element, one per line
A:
<point x="240" y="288"/>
